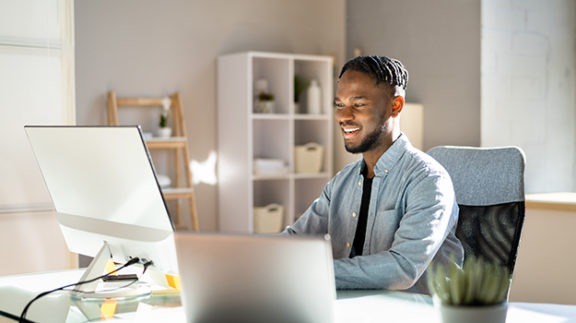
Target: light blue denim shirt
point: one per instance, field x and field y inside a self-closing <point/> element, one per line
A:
<point x="411" y="221"/>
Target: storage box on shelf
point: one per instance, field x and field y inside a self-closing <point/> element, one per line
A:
<point x="308" y="158"/>
<point x="268" y="219"/>
<point x="257" y="163"/>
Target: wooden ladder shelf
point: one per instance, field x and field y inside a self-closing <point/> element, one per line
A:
<point x="177" y="143"/>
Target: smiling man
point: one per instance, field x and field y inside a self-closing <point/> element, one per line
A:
<point x="393" y="212"/>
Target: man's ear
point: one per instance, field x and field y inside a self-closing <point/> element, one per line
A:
<point x="397" y="105"/>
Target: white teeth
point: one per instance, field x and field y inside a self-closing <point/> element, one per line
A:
<point x="349" y="130"/>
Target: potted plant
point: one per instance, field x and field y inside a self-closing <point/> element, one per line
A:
<point x="300" y="86"/>
<point x="265" y="102"/>
<point x="477" y="292"/>
<point x="164" y="131"/>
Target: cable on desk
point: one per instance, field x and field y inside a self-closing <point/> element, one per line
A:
<point x="23" y="319"/>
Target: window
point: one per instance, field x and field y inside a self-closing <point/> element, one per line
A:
<point x="36" y="87"/>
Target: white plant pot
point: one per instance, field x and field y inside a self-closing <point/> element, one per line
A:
<point x="264" y="107"/>
<point x="473" y="314"/>
<point x="164" y="132"/>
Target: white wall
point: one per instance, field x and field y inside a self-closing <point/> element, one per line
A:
<point x="528" y="89"/>
<point x="153" y="47"/>
<point x="32" y="242"/>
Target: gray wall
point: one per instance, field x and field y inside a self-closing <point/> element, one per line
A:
<point x="152" y="48"/>
<point x="439" y="42"/>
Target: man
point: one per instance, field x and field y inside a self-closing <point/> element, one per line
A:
<point x="392" y="213"/>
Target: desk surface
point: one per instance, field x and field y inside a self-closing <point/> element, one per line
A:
<point x="351" y="306"/>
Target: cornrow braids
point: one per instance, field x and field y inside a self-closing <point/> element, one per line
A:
<point x="381" y="68"/>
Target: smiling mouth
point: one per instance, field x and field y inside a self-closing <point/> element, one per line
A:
<point x="350" y="131"/>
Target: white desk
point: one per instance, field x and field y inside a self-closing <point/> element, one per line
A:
<point x="351" y="307"/>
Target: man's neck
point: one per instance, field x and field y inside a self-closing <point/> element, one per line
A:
<point x="371" y="157"/>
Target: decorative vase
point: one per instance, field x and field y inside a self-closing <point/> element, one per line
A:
<point x="473" y="314"/>
<point x="313" y="99"/>
<point x="165" y="132"/>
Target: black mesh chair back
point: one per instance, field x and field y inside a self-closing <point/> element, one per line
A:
<point x="489" y="187"/>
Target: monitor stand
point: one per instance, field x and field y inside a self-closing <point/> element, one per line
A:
<point x="98" y="289"/>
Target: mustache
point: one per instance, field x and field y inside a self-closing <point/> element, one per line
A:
<point x="348" y="123"/>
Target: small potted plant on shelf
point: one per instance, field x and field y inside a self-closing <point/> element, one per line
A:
<point x="300" y="86"/>
<point x="164" y="131"/>
<point x="265" y="102"/>
<point x="477" y="292"/>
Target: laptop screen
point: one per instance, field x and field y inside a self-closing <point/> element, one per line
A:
<point x="255" y="278"/>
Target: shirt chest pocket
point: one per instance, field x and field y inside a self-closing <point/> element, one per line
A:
<point x="382" y="233"/>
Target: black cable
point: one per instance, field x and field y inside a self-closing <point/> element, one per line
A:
<point x="23" y="319"/>
<point x="146" y="265"/>
<point x="132" y="282"/>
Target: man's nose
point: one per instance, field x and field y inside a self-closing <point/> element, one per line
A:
<point x="344" y="114"/>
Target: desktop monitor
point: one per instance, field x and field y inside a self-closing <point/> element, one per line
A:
<point x="105" y="192"/>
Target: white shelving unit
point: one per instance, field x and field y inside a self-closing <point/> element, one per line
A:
<point x="244" y="135"/>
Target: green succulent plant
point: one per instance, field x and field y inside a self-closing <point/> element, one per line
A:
<point x="477" y="283"/>
<point x="163" y="121"/>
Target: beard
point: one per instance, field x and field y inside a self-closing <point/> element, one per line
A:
<point x="369" y="142"/>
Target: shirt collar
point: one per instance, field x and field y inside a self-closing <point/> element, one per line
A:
<point x="390" y="157"/>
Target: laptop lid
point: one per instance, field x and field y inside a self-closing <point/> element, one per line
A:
<point x="255" y="278"/>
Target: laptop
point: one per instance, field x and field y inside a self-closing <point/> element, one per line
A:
<point x="255" y="278"/>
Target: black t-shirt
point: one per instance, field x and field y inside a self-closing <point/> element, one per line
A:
<point x="358" y="244"/>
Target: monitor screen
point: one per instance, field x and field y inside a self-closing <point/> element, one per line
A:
<point x="104" y="189"/>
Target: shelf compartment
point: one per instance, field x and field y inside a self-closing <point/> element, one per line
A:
<point x="306" y="131"/>
<point x="273" y="191"/>
<point x="309" y="69"/>
<point x="275" y="71"/>
<point x="269" y="139"/>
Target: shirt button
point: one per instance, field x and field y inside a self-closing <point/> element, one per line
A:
<point x="347" y="244"/>
<point x="353" y="214"/>
<point x="359" y="183"/>
<point x="386" y="171"/>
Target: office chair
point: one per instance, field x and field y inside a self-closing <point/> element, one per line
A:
<point x="489" y="187"/>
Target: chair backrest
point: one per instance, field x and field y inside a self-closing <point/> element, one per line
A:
<point x="489" y="187"/>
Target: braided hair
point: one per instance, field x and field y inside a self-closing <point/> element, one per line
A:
<point x="381" y="68"/>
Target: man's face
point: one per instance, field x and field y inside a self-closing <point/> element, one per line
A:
<point x="363" y="112"/>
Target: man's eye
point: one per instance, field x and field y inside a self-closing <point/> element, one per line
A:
<point x="359" y="105"/>
<point x="338" y="105"/>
